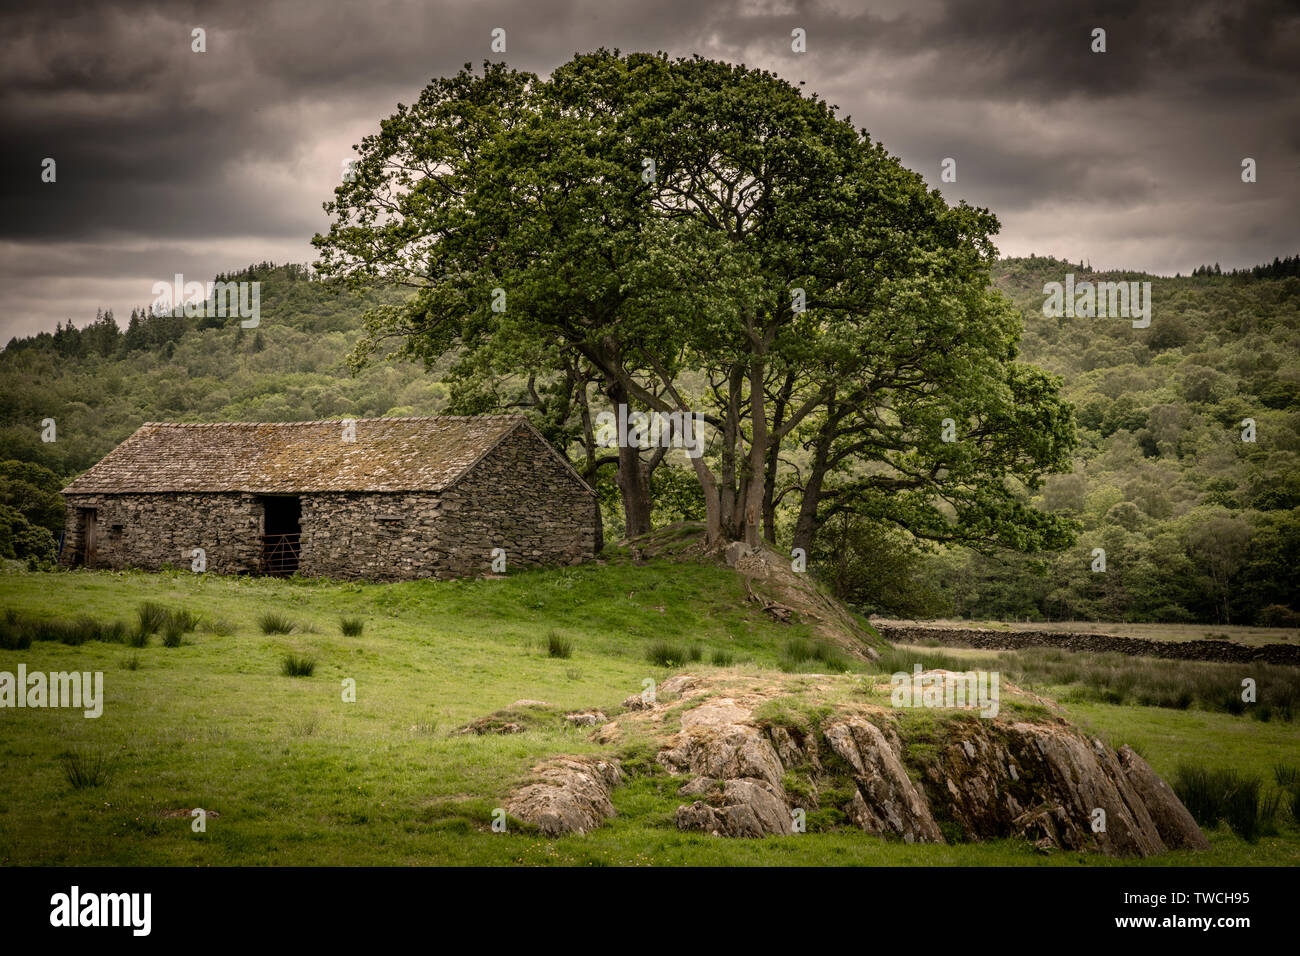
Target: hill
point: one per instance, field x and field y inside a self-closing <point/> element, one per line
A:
<point x="1196" y="524"/>
<point x="305" y="743"/>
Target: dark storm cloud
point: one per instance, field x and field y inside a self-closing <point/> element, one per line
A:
<point x="169" y="160"/>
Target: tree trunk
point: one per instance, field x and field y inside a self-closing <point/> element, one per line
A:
<point x="633" y="479"/>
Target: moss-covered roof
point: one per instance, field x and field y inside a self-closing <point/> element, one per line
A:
<point x="388" y="454"/>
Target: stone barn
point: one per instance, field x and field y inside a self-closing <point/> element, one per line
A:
<point x="377" y="499"/>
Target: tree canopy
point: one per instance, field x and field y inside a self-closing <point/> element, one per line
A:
<point x="697" y="238"/>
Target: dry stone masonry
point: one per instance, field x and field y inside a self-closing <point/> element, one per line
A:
<point x="991" y="639"/>
<point x="393" y="499"/>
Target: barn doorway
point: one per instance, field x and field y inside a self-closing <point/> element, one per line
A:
<point x="89" y="536"/>
<point x="281" y="534"/>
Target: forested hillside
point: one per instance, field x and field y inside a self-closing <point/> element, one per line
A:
<point x="1196" y="523"/>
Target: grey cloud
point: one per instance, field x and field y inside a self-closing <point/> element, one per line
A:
<point x="219" y="159"/>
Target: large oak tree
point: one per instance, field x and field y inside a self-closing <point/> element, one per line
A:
<point x="706" y="239"/>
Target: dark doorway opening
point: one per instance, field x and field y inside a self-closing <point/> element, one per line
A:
<point x="89" y="521"/>
<point x="281" y="534"/>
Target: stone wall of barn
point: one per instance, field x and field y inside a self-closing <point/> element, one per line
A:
<point x="151" y="530"/>
<point x="523" y="499"/>
<point x="370" y="536"/>
<point x="519" y="498"/>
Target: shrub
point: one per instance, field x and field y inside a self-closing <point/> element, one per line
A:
<point x="351" y="626"/>
<point x="557" y="646"/>
<point x="1277" y="615"/>
<point x="273" y="623"/>
<point x="294" y="666"/>
<point x="85" y="768"/>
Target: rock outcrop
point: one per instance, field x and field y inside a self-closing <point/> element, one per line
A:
<point x="568" y="795"/>
<point x="958" y="777"/>
<point x="983" y="779"/>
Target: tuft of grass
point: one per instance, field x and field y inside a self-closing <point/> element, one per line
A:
<point x="151" y="617"/>
<point x="1286" y="775"/>
<point x="220" y="628"/>
<point x="182" y="618"/>
<point x="557" y="646"/>
<point x="274" y="623"/>
<point x="293" y="665"/>
<point x="665" y="654"/>
<point x="1244" y="812"/>
<point x="131" y="663"/>
<point x="14" y="633"/>
<point x="800" y="653"/>
<point x="85" y="768"/>
<point x="1214" y="795"/>
<point x="304" y="727"/>
<point x="138" y="638"/>
<point x="172" y="633"/>
<point x="722" y="659"/>
<point x="351" y="626"/>
<point x="1288" y="778"/>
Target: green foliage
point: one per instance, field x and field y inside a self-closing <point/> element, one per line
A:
<point x="351" y="626"/>
<point x="1197" y="524"/>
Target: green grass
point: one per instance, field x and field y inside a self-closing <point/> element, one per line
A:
<point x="300" y="776"/>
<point x="294" y="665"/>
<point x="272" y="622"/>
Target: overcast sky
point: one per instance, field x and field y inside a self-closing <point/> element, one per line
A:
<point x="174" y="161"/>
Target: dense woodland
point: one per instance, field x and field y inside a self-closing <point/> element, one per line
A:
<point x="1196" y="524"/>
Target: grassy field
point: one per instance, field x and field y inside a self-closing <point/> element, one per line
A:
<point x="299" y="776"/>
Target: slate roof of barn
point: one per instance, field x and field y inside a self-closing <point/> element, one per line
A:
<point x="388" y="455"/>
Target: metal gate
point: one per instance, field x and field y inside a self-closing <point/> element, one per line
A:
<point x="280" y="554"/>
